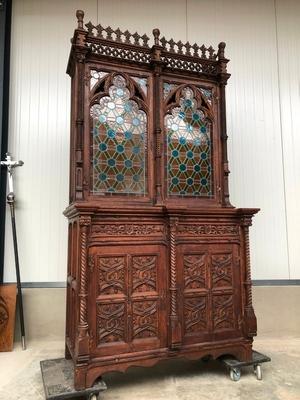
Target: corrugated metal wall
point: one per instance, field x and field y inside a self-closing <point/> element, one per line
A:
<point x="263" y="40"/>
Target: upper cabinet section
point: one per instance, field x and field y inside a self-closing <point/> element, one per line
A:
<point x="148" y="123"/>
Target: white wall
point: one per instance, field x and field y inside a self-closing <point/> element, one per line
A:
<point x="263" y="40"/>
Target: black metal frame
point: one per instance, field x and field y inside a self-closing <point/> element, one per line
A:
<point x="5" y="34"/>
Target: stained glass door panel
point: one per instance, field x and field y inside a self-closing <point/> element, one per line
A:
<point x="188" y="132"/>
<point x="119" y="142"/>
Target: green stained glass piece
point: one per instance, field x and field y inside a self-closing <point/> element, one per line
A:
<point x="190" y="181"/>
<point x="111" y="162"/>
<point x="203" y="129"/>
<point x="102" y="177"/>
<point x="182" y="167"/>
<point x="120" y="148"/>
<point x="197" y="168"/>
<point x="111" y="133"/>
<point x="175" y="153"/>
<point x="190" y="154"/>
<point x="203" y="156"/>
<point x="102" y="146"/>
<point x="128" y="135"/>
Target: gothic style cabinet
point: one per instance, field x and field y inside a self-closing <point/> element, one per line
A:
<point x="158" y="262"/>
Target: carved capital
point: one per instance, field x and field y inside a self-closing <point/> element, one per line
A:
<point x="84" y="220"/>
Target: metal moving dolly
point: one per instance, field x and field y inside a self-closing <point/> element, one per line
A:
<point x="235" y="365"/>
<point x="58" y="380"/>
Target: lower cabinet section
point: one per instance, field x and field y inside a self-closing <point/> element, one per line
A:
<point x="183" y="289"/>
<point x="128" y="287"/>
<point x="210" y="305"/>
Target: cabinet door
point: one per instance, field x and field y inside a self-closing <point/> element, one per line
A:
<point x="128" y="298"/>
<point x="211" y="302"/>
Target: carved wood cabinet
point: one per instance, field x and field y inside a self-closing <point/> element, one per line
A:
<point x="158" y="259"/>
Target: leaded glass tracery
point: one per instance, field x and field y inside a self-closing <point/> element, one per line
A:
<point x="189" y="149"/>
<point x="119" y="142"/>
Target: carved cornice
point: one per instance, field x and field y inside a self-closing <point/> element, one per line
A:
<point x="128" y="229"/>
<point x="209" y="229"/>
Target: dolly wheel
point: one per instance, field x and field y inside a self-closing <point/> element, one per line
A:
<point x="235" y="374"/>
<point x="258" y="372"/>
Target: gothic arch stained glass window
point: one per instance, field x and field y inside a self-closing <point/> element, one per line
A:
<point x="189" y="147"/>
<point x="119" y="129"/>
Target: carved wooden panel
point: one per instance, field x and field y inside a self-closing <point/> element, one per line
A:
<point x="111" y="275"/>
<point x="145" y="319"/>
<point x="223" y="312"/>
<point x="195" y="314"/>
<point x="144" y="273"/>
<point x="111" y="322"/>
<point x="194" y="271"/>
<point x="128" y="295"/>
<point x="221" y="270"/>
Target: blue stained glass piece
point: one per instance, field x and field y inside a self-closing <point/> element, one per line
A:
<point x="175" y="180"/>
<point x="203" y="156"/>
<point x="102" y="146"/>
<point x="189" y="128"/>
<point x="120" y="148"/>
<point x="128" y="135"/>
<point x="203" y="181"/>
<point x="119" y="120"/>
<point x="182" y="140"/>
<point x="196" y="117"/>
<point x="120" y="92"/>
<point x="128" y="163"/>
<point x="188" y="103"/>
<point x="190" y="181"/>
<point x="197" y="142"/>
<point x="197" y="168"/>
<point x="136" y="178"/>
<point x="102" y="118"/>
<point x="128" y="107"/>
<point x="203" y="129"/>
<point x="111" y="162"/>
<point x="136" y="150"/>
<point x="111" y="133"/>
<point x="209" y="168"/>
<point x="175" y="153"/>
<point x="181" y="114"/>
<point x="111" y="190"/>
<point x="182" y="167"/>
<point x="136" y="122"/>
<point x="120" y="177"/>
<point x="102" y="177"/>
<point x="190" y="154"/>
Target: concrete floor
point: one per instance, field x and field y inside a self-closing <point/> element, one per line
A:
<point x="20" y="376"/>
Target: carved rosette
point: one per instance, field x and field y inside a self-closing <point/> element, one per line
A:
<point x="84" y="223"/>
<point x="250" y="318"/>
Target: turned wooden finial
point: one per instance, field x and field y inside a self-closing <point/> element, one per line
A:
<point x="156" y="33"/>
<point x="221" y="52"/>
<point x="79" y="16"/>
